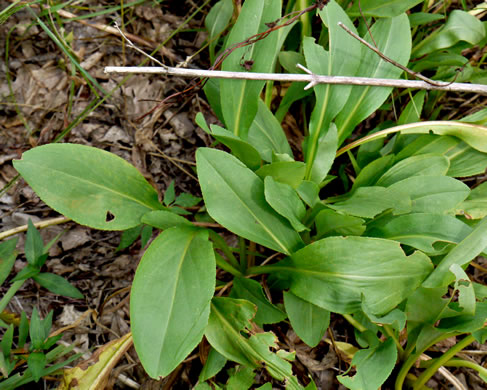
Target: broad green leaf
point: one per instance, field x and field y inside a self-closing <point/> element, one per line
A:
<point x="212" y="92"/>
<point x="309" y="321"/>
<point x="396" y="318"/>
<point x="162" y="219"/>
<point x="373" y="365"/>
<point x="460" y="26"/>
<point x="216" y="21"/>
<point x="234" y="197"/>
<point x="427" y="306"/>
<point x="241" y="149"/>
<point x="249" y="289"/>
<point x="462" y="254"/>
<point x="214" y="364"/>
<point x="239" y="98"/>
<point x="367" y="202"/>
<point x="266" y="134"/>
<point x="393" y="38"/>
<point x="284" y="199"/>
<point x="336" y="273"/>
<point x="421" y="230"/>
<point x="381" y="8"/>
<point x="426" y="144"/>
<point x="36" y="362"/>
<point x="287" y="172"/>
<point x="229" y="332"/>
<point x="439" y="59"/>
<point x="464" y="286"/>
<point x="465" y="323"/>
<point x="96" y="376"/>
<point x="342" y="59"/>
<point x="475" y="206"/>
<point x="479" y="117"/>
<point x="420" y="18"/>
<point x="309" y="192"/>
<point x="331" y="223"/>
<point x="422" y="165"/>
<point x="57" y="285"/>
<point x="466" y="161"/>
<point x="170" y="298"/>
<point x="241" y="379"/>
<point x="372" y="172"/>
<point x="432" y="194"/>
<point x="7" y="258"/>
<point x="89" y="185"/>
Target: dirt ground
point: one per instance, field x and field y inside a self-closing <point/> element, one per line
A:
<point x="41" y="97"/>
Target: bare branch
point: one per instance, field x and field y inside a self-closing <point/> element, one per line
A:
<point x="304" y="78"/>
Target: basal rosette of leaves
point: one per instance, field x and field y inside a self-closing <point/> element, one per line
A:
<point x="389" y="254"/>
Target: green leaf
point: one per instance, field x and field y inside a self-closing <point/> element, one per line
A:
<point x="287" y="172"/>
<point x="331" y="223"/>
<point x="475" y="206"/>
<point x="342" y="59"/>
<point x="242" y="379"/>
<point x="336" y="273"/>
<point x="412" y="112"/>
<point x="367" y="202"/>
<point x="234" y="197"/>
<point x="465" y="323"/>
<point x="187" y="200"/>
<point x="36" y="330"/>
<point x="170" y="298"/>
<point x="241" y="149"/>
<point x="462" y="254"/>
<point x="128" y="237"/>
<point x="466" y="161"/>
<point x="36" y="362"/>
<point x="381" y="8"/>
<point x="421" y="231"/>
<point x="396" y="318"/>
<point x="422" y="165"/>
<point x="169" y="194"/>
<point x="89" y="185"/>
<point x="27" y="272"/>
<point x="325" y="155"/>
<point x="309" y="321"/>
<point x="162" y="219"/>
<point x="393" y="38"/>
<point x="373" y="365"/>
<point x="249" y="289"/>
<point x="34" y="247"/>
<point x="427" y="306"/>
<point x="23" y="330"/>
<point x="216" y="21"/>
<point x="214" y="364"/>
<point x="432" y="194"/>
<point x="460" y="26"/>
<point x="266" y="134"/>
<point x="309" y="192"/>
<point x="239" y="98"/>
<point x="466" y="293"/>
<point x="372" y="172"/>
<point x="57" y="285"/>
<point x="7" y="258"/>
<point x="284" y="199"/>
<point x="229" y="332"/>
<point x="7" y="339"/>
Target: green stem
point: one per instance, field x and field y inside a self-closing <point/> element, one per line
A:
<point x="220" y="262"/>
<point x="354" y="322"/>
<point x="457" y="363"/>
<point x="390" y="332"/>
<point x="222" y="245"/>
<point x="430" y="371"/>
<point x="401" y="376"/>
<point x="10" y="294"/>
<point x="268" y="93"/>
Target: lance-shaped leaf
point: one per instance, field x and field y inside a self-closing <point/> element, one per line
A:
<point x="462" y="254"/>
<point x="170" y="298"/>
<point x="381" y="8"/>
<point x="476" y="204"/>
<point x="421" y="230"/>
<point x="342" y="59"/>
<point x="393" y="38"/>
<point x="234" y="197"/>
<point x="239" y="98"/>
<point x="229" y="332"/>
<point x="373" y="365"/>
<point x="336" y="273"/>
<point x="432" y="194"/>
<point x="309" y="321"/>
<point x="91" y="186"/>
<point x="216" y="21"/>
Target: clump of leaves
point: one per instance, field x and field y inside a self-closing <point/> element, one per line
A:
<point x="388" y="254"/>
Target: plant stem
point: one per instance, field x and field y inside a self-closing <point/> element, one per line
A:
<point x="430" y="371"/>
<point x="10" y="294"/>
<point x="458" y="363"/>
<point x="220" y="262"/>
<point x="354" y="322"/>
